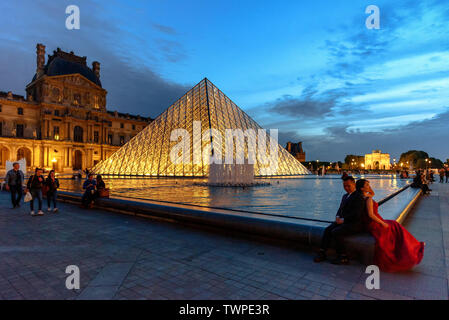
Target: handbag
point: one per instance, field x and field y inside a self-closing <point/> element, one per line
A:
<point x="45" y="189"/>
<point x="103" y="193"/>
<point x="28" y="197"/>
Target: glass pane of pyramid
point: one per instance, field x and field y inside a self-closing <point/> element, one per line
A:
<point x="181" y="140"/>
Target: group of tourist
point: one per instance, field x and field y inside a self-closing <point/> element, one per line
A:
<point x="93" y="189"/>
<point x="395" y="250"/>
<point x="37" y="186"/>
<point x="422" y="180"/>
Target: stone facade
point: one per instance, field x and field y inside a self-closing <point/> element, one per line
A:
<point x="63" y="122"/>
<point x="296" y="150"/>
<point x="377" y="160"/>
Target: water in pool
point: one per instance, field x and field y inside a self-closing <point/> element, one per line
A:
<point x="305" y="197"/>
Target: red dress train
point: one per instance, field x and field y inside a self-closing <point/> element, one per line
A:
<point x="396" y="249"/>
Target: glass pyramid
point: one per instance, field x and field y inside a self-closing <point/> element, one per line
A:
<point x="201" y="108"/>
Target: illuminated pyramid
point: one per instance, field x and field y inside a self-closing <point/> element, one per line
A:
<point x="150" y="153"/>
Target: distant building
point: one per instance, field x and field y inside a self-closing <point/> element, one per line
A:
<point x="63" y="122"/>
<point x="377" y="160"/>
<point x="296" y="150"/>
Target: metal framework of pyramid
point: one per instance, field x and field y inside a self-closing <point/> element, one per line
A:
<point x="148" y="153"/>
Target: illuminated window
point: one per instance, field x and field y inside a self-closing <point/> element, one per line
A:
<point x="56" y="133"/>
<point x="96" y="105"/>
<point x="76" y="99"/>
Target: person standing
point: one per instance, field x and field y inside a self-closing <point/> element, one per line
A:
<point x="442" y="172"/>
<point x="52" y="184"/>
<point x="14" y="181"/>
<point x="34" y="186"/>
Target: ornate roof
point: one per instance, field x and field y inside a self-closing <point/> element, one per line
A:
<point x="62" y="63"/>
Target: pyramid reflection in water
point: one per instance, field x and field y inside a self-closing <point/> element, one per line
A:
<point x="201" y="108"/>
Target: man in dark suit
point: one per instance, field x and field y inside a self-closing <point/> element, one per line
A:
<point x="348" y="221"/>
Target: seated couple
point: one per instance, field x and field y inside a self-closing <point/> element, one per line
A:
<point x="395" y="249"/>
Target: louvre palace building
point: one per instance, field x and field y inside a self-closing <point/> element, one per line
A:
<point x="62" y="123"/>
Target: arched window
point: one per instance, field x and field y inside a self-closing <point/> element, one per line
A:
<point x="24" y="153"/>
<point x="78" y="134"/>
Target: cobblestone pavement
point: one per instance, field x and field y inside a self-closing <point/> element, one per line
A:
<point x="124" y="257"/>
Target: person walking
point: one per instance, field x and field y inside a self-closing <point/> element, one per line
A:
<point x="34" y="186"/>
<point x="52" y="183"/>
<point x="14" y="181"/>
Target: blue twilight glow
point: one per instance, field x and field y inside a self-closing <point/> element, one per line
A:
<point x="310" y="68"/>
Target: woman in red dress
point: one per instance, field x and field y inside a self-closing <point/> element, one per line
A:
<point x="396" y="249"/>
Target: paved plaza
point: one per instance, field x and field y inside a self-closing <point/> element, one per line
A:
<point x="125" y="257"/>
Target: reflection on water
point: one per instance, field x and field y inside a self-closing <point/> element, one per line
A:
<point x="306" y="197"/>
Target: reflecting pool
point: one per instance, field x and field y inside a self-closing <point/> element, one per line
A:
<point x="306" y="197"/>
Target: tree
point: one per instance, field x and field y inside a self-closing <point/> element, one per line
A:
<point x="436" y="163"/>
<point x="415" y="158"/>
<point x="354" y="161"/>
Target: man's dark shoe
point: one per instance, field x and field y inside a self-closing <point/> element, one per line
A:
<point x="321" y="256"/>
<point x="342" y="259"/>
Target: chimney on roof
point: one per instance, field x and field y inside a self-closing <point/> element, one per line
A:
<point x="40" y="59"/>
<point x="96" y="68"/>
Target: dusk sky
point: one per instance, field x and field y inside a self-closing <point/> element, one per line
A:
<point x="308" y="68"/>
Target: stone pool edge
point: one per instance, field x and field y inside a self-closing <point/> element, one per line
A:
<point x="297" y="230"/>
